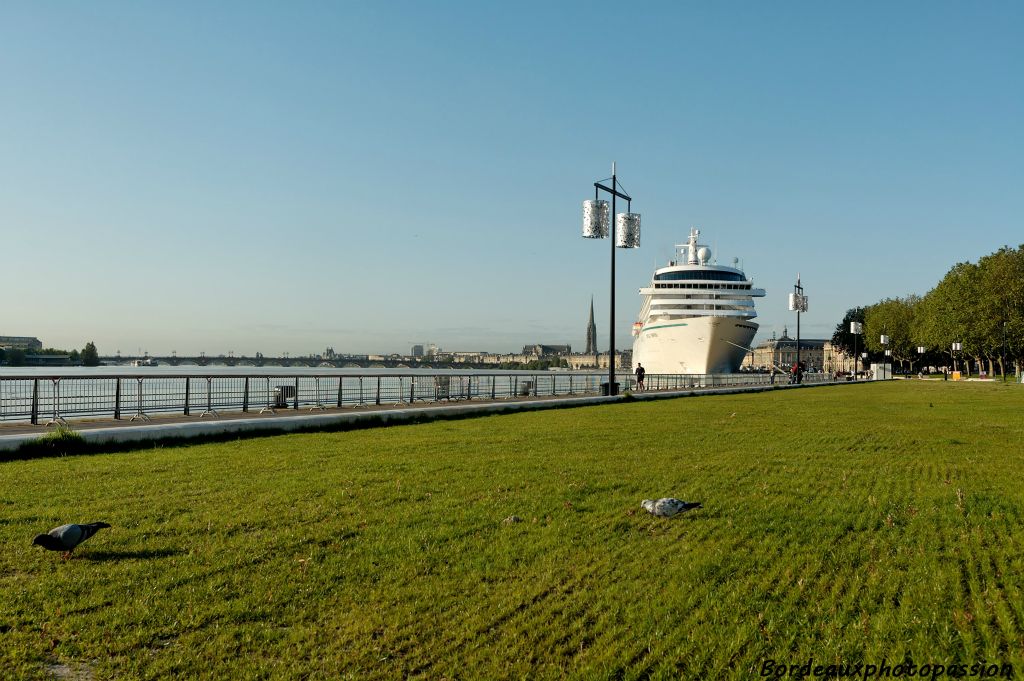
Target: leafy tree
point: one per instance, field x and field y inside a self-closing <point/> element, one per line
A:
<point x="90" y="356"/>
<point x="14" y="357"/>
<point x="849" y="343"/>
<point x="893" y="317"/>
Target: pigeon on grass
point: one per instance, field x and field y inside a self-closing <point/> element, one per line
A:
<point x="66" y="537"/>
<point x="666" y="508"/>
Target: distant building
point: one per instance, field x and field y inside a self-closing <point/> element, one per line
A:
<point x="27" y="343"/>
<point x="541" y="350"/>
<point x="48" y="361"/>
<point x="815" y="353"/>
<point x="623" y="360"/>
<point x="417" y="351"/>
<point x="591" y="332"/>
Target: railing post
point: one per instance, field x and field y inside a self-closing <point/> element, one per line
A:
<point x="494" y="380"/>
<point x="341" y="383"/>
<point x="378" y="391"/>
<point x="57" y="419"/>
<point x="268" y="406"/>
<point x="35" y="402"/>
<point x="139" y="413"/>
<point x="535" y="385"/>
<point x="188" y="393"/>
<point x="245" y="396"/>
<point x="209" y="400"/>
<point x="296" y="405"/>
<point x="117" y="398"/>
<point x="412" y="390"/>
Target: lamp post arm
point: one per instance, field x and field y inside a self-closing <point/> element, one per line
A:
<point x="613" y="192"/>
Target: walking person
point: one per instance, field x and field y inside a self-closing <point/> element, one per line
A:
<point x="640" y="371"/>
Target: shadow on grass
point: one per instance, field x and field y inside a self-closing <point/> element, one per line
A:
<point x="146" y="554"/>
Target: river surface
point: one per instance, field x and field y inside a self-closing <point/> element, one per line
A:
<point x="220" y="370"/>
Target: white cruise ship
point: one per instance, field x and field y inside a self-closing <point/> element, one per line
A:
<point x="696" y="316"/>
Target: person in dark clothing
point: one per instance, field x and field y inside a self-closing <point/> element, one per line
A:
<point x="640" y="371"/>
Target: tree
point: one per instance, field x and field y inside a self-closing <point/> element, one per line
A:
<point x="842" y="338"/>
<point x="893" y="317"/>
<point x="14" y="357"/>
<point x="90" y="356"/>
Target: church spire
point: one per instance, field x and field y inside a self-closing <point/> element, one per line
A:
<point x="591" y="331"/>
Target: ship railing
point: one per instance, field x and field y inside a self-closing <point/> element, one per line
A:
<point x="53" y="399"/>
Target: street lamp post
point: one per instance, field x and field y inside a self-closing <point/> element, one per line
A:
<point x="864" y="357"/>
<point x="856" y="328"/>
<point x="920" y="358"/>
<point x="957" y="347"/>
<point x="885" y="344"/>
<point x="798" y="303"/>
<point x="1002" y="354"/>
<point x="627" y="235"/>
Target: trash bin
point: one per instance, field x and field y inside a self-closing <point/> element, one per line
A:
<point x="282" y="394"/>
<point x="604" y="388"/>
<point x="526" y="388"/>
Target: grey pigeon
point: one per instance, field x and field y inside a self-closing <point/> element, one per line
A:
<point x="66" y="537"/>
<point x="666" y="508"/>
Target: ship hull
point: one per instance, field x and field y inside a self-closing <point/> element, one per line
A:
<point x="694" y="345"/>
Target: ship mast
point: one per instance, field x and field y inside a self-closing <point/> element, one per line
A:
<point x="691" y="246"/>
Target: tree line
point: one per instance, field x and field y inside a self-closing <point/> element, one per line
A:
<point x="87" y="356"/>
<point x="978" y="305"/>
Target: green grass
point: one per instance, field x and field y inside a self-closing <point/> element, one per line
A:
<point x="848" y="524"/>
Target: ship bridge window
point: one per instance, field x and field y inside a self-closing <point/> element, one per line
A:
<point x="707" y="275"/>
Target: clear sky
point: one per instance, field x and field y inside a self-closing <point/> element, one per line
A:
<point x="267" y="176"/>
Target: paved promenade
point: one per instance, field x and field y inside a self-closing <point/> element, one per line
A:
<point x="177" y="427"/>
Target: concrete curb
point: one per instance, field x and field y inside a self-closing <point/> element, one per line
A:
<point x="273" y="425"/>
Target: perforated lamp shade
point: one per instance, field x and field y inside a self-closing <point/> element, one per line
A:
<point x="627" y="230"/>
<point x="595" y="219"/>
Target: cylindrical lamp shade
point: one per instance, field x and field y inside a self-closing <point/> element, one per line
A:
<point x="595" y="219"/>
<point x="627" y="230"/>
<point x="885" y="339"/>
<point x="856" y="327"/>
<point x="920" y="349"/>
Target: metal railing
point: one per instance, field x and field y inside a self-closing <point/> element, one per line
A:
<point x="51" y="400"/>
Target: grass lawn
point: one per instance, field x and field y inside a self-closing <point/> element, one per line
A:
<point x="848" y="524"/>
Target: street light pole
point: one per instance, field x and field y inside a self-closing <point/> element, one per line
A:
<point x="1002" y="354"/>
<point x="798" y="302"/>
<point x="856" y="328"/>
<point x="885" y="345"/>
<point x="627" y="235"/>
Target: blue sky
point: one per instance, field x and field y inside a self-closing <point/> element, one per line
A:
<point x="286" y="176"/>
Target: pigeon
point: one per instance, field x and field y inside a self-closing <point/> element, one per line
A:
<point x="66" y="537"/>
<point x="666" y="508"/>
